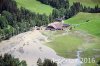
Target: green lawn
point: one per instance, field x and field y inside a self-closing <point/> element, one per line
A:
<point x="66" y="46"/>
<point x="80" y="21"/>
<point x="35" y="6"/>
<point x="90" y="3"/>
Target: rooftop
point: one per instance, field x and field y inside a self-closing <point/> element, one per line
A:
<point x="58" y="19"/>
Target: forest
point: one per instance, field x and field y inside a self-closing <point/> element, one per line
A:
<point x="63" y="9"/>
<point x="15" y="20"/>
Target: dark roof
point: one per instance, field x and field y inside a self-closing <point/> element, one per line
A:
<point x="58" y="19"/>
<point x="66" y="25"/>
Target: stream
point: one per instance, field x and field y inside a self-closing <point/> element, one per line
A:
<point x="79" y="62"/>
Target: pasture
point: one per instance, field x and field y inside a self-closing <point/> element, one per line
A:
<point x="35" y="6"/>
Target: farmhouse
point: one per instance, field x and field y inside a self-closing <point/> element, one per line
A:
<point x="57" y="25"/>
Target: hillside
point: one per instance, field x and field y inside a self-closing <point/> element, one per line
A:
<point x="35" y="6"/>
<point x="91" y="3"/>
<point x="89" y="22"/>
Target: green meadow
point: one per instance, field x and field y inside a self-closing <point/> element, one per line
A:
<point x="35" y="6"/>
<point x="89" y="22"/>
<point x="66" y="46"/>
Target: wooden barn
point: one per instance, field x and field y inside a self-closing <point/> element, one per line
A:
<point x="57" y="25"/>
<point x="54" y="26"/>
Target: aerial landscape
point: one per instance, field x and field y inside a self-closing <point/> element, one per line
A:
<point x="49" y="32"/>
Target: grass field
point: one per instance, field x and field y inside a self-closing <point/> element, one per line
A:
<point x="35" y="6"/>
<point x="90" y="3"/>
<point x="89" y="22"/>
<point x="66" y="46"/>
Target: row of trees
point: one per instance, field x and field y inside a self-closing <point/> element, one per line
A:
<point x="47" y="62"/>
<point x="73" y="10"/>
<point x="56" y="3"/>
<point x="8" y="60"/>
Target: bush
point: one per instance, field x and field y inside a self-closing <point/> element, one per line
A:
<point x="47" y="62"/>
<point x="8" y="60"/>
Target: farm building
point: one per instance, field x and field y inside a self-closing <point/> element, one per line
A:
<point x="57" y="25"/>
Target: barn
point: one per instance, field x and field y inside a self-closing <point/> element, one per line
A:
<point x="54" y="26"/>
<point x="57" y="25"/>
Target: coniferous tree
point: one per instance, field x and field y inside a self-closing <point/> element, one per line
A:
<point x="8" y="60"/>
<point x="47" y="62"/>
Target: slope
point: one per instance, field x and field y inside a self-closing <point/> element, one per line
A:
<point x="89" y="22"/>
<point x="35" y="6"/>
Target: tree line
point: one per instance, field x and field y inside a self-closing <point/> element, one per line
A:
<point x="46" y="62"/>
<point x="9" y="60"/>
<point x="62" y="9"/>
<point x="56" y="3"/>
